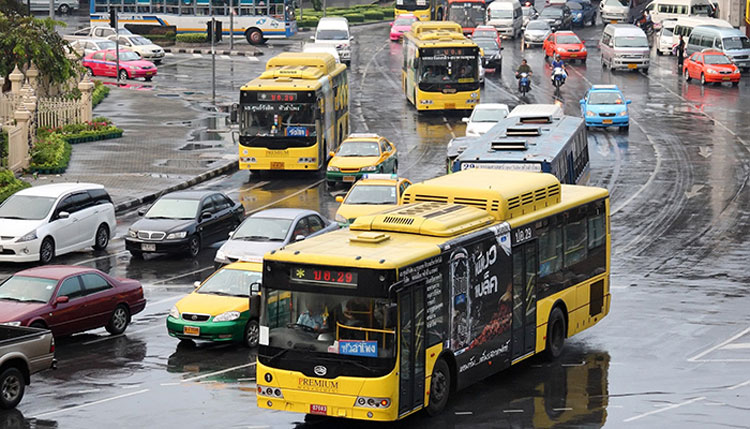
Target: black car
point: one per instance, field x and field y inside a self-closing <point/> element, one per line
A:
<point x="184" y="221"/>
<point x="582" y="11"/>
<point x="492" y="58"/>
<point x="558" y="17"/>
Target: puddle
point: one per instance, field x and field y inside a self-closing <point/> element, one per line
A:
<point x="185" y="163"/>
<point x="168" y="95"/>
<point x="198" y="146"/>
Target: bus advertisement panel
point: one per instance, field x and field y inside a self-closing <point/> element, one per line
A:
<point x="424" y="10"/>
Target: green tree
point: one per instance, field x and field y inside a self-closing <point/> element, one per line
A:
<point x="24" y="39"/>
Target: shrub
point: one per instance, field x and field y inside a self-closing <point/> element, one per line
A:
<point x="308" y="22"/>
<point x="99" y="128"/>
<point x="51" y="154"/>
<point x="9" y="185"/>
<point x="355" y="17"/>
<point x="191" y="37"/>
<point x="373" y="14"/>
<point x="101" y="92"/>
<point x="387" y="12"/>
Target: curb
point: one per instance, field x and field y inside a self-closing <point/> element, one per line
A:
<point x="230" y="166"/>
<point x="359" y="24"/>
<point x="256" y="53"/>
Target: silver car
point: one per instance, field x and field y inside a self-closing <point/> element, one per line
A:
<point x="88" y="46"/>
<point x="535" y="33"/>
<point x="61" y="6"/>
<point x="269" y="230"/>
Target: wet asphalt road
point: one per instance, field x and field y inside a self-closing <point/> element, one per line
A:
<point x="673" y="352"/>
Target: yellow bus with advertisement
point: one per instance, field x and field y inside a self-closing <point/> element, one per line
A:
<point x="478" y="270"/>
<point x="424" y="10"/>
<point x="294" y="113"/>
<point x="441" y="67"/>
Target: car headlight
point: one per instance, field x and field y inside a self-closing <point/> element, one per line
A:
<point x="370" y="168"/>
<point x="583" y="49"/>
<point x="220" y="255"/>
<point x="133" y="67"/>
<point x="590" y="113"/>
<point x="18" y="323"/>
<point x="132" y="233"/>
<point x="28" y="237"/>
<point x="181" y="234"/>
<point x="340" y="218"/>
<point x="227" y="316"/>
<point x="174" y="312"/>
<point x="624" y="113"/>
<point x="560" y="50"/>
<point x="333" y="168"/>
<point x="711" y="71"/>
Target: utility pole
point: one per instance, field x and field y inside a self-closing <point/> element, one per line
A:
<point x="113" y="24"/>
<point x="231" y="25"/>
<point x="51" y="9"/>
<point x="213" y="59"/>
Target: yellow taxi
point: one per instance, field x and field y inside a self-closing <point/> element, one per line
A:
<point x="374" y="193"/>
<point x="220" y="308"/>
<point x="359" y="154"/>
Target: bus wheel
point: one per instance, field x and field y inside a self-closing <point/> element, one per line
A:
<point x="555" y="334"/>
<point x="254" y="36"/>
<point x="440" y="388"/>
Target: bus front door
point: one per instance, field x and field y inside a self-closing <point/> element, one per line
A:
<point x="525" y="266"/>
<point x="411" y="345"/>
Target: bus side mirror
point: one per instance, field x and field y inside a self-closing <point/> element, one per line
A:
<point x="465" y="120"/>
<point x="254" y="288"/>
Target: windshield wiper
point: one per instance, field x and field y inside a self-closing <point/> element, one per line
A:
<point x="253" y="238"/>
<point x="11" y="298"/>
<point x="13" y="217"/>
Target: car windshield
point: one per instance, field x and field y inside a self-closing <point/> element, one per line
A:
<point x="106" y="44"/>
<point x="372" y="194"/>
<point x="173" y="208"/>
<point x="488" y="115"/>
<point x="487" y="44"/>
<point x="605" y="97"/>
<point x="666" y="32"/>
<point x="616" y="2"/>
<point x="263" y="229"/>
<point x="501" y="13"/>
<point x="537" y="25"/>
<point x="484" y="34"/>
<point x="574" y="5"/>
<point x="129" y="56"/>
<point x="26" y="207"/>
<point x="140" y="41"/>
<point x="354" y="148"/>
<point x="737" y="42"/>
<point x="716" y="59"/>
<point x="228" y="281"/>
<point x="27" y="289"/>
<point x="564" y="39"/>
<point x="552" y="12"/>
<point x="332" y="35"/>
<point x="329" y="323"/>
<point x="631" y="42"/>
<point x="401" y="22"/>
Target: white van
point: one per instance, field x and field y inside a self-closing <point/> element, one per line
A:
<point x="664" y="42"/>
<point x="731" y="41"/>
<point x="614" y="10"/>
<point x="530" y="111"/>
<point x="506" y="16"/>
<point x="685" y="26"/>
<point x="325" y="49"/>
<point x="624" y="46"/>
<point x="673" y="9"/>
<point x="334" y="31"/>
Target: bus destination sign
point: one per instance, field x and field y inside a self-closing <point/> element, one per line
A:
<point x="283" y="97"/>
<point x="324" y="276"/>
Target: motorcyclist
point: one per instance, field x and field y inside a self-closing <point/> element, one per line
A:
<point x="558" y="62"/>
<point x="523" y="68"/>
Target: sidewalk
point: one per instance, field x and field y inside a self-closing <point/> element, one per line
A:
<point x="167" y="145"/>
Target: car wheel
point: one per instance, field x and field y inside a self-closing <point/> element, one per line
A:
<point x="39" y="325"/>
<point x="12" y="385"/>
<point x="625" y="128"/>
<point x="119" y="320"/>
<point x="687" y="76"/>
<point x="89" y="72"/>
<point x="252" y="334"/>
<point x="101" y="239"/>
<point x="394" y="170"/>
<point x="148" y="78"/>
<point x="123" y="74"/>
<point x="63" y="9"/>
<point x="736" y="83"/>
<point x="136" y="254"/>
<point x="555" y="334"/>
<point x="47" y="251"/>
<point x="440" y="387"/>
<point x="645" y="71"/>
<point x="703" y="79"/>
<point x="330" y="185"/>
<point x="194" y="246"/>
<point x="254" y="37"/>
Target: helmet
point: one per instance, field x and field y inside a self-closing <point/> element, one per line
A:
<point x="557" y="56"/>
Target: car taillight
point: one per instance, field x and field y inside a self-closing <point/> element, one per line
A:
<point x="52" y="345"/>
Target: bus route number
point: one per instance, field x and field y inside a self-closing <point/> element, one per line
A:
<point x="523" y="234"/>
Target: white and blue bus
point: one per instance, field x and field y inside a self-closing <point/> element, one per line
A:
<point x="257" y="20"/>
<point x="555" y="144"/>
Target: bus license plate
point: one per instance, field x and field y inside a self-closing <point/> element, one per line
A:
<point x="450" y="105"/>
<point x="348" y="178"/>
<point x="606" y="121"/>
<point x="632" y="66"/>
<point x="277" y="166"/>
<point x="318" y="409"/>
<point x="191" y="330"/>
<point x="146" y="247"/>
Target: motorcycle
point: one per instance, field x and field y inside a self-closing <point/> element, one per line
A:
<point x="558" y="79"/>
<point x="524" y="83"/>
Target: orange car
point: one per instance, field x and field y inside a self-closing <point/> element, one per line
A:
<point x="711" y="66"/>
<point x="566" y="44"/>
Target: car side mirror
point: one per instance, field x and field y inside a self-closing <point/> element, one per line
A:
<point x="254" y="288"/>
<point x="142" y="211"/>
<point x="196" y="284"/>
<point x="351" y="38"/>
<point x="63" y="215"/>
<point x="312" y="38"/>
<point x="582" y="101"/>
<point x="61" y="300"/>
<point x="465" y="120"/>
<point x="331" y="154"/>
<point x="231" y="233"/>
<point x="206" y="215"/>
<point x="339" y="199"/>
<point x="299" y="237"/>
<point x="627" y="101"/>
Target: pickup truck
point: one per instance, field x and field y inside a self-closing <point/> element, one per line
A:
<point x="97" y="32"/>
<point x="23" y="351"/>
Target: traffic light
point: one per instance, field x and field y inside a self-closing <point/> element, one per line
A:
<point x="113" y="18"/>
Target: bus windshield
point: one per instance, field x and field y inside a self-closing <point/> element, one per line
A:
<point x="412" y="4"/>
<point x="448" y="65"/>
<point x="293" y="120"/>
<point x="466" y="14"/>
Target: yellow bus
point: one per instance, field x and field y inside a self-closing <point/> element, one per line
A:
<point x="424" y="10"/>
<point x="441" y="67"/>
<point x="477" y="271"/>
<point x="294" y="113"/>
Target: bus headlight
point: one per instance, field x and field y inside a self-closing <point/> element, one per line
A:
<point x="333" y="168"/>
<point x="273" y="392"/>
<point x="473" y="95"/>
<point x="248" y="160"/>
<point x="367" y="402"/>
<point x="306" y="160"/>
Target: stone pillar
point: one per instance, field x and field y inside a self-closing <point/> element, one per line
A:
<point x="32" y="74"/>
<point x="18" y="137"/>
<point x="87" y="89"/>
<point x="16" y="80"/>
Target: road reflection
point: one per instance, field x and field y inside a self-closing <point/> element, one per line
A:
<point x="14" y="419"/>
<point x="195" y="359"/>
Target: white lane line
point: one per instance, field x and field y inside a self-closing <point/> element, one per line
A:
<point x="111" y="255"/>
<point x="512" y="411"/>
<point x="736" y="346"/>
<point x="661" y="410"/>
<point x="51" y="413"/>
<point x="225" y="57"/>
<point x="285" y="198"/>
<point x="651" y="177"/>
<point x="253" y="59"/>
<point x="170" y="384"/>
<point x="111" y="337"/>
<point x="718" y="346"/>
<point x="463" y="413"/>
<point x="182" y="275"/>
<point x="211" y="374"/>
<point x="562" y="409"/>
<point x="737" y="386"/>
<point x="169" y="54"/>
<point x="197" y="55"/>
<point x="162" y="301"/>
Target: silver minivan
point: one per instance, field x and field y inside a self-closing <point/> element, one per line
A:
<point x="731" y="41"/>
<point x="506" y="16"/>
<point x="624" y="46"/>
<point x="61" y="6"/>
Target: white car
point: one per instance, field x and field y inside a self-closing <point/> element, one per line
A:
<point x="61" y="6"/>
<point x="40" y="222"/>
<point x="483" y="117"/>
<point x="88" y="46"/>
<point x="144" y="47"/>
<point x="334" y="31"/>
<point x="320" y="48"/>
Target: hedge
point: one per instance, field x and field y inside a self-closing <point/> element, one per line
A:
<point x="98" y="129"/>
<point x="101" y="92"/>
<point x="387" y="12"/>
<point x="191" y="37"/>
<point x="9" y="185"/>
<point x="50" y="155"/>
<point x="308" y="22"/>
<point x="373" y="14"/>
<point x="3" y="148"/>
<point x="355" y="17"/>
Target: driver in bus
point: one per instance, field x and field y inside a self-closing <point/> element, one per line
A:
<point x="313" y="317"/>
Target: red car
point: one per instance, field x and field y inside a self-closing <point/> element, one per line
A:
<point x="401" y="25"/>
<point x="69" y="299"/>
<point x="104" y="63"/>
<point x="711" y="66"/>
<point x="566" y="44"/>
<point x="487" y="31"/>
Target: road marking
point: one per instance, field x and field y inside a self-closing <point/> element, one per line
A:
<point x="168" y="54"/>
<point x="653" y="173"/>
<point x="512" y="411"/>
<point x="226" y="57"/>
<point x="737" y="386"/>
<point x="736" y="346"/>
<point x="170" y="384"/>
<point x="562" y="409"/>
<point x="362" y="82"/>
<point x="182" y="275"/>
<point x="211" y="374"/>
<point x="718" y="346"/>
<point x="661" y="410"/>
<point x="86" y="261"/>
<point x="463" y="413"/>
<point x="197" y="55"/>
<point x="50" y="413"/>
<point x="111" y="337"/>
<point x="285" y="198"/>
<point x="253" y="59"/>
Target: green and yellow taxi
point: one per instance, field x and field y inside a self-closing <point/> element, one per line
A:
<point x="359" y="154"/>
<point x="374" y="193"/>
<point x="220" y="309"/>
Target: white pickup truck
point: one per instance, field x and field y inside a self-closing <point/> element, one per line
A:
<point x="97" y="32"/>
<point x="23" y="351"/>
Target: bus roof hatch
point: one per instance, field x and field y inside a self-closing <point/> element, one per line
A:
<point x="428" y="218"/>
<point x="314" y="60"/>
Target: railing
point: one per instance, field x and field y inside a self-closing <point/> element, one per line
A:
<point x="8" y="105"/>
<point x="367" y="331"/>
<point x="57" y="112"/>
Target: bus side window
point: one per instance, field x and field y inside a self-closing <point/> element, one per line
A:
<point x="575" y="238"/>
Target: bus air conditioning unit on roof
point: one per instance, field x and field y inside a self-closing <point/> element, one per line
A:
<point x="536" y="119"/>
<point x="509" y="144"/>
<point x="523" y="131"/>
